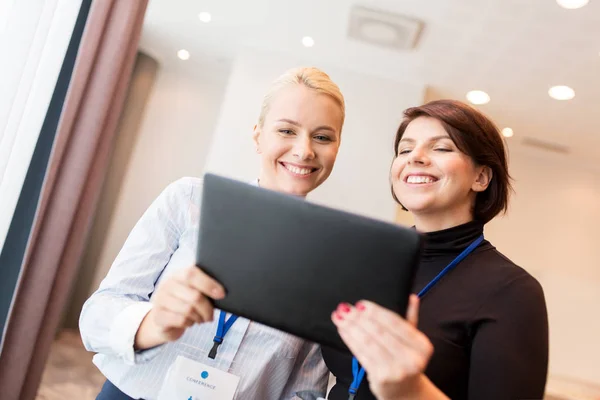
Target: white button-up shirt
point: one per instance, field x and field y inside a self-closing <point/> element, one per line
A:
<point x="271" y="364"/>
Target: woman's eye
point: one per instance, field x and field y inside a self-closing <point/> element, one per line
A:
<point x="286" y="131"/>
<point x="443" y="149"/>
<point x="404" y="151"/>
<point x="323" y="138"/>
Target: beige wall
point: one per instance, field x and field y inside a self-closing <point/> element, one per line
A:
<point x="404" y="217"/>
<point x="552" y="231"/>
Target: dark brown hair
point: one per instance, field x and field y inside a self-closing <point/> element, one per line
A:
<point x="476" y="136"/>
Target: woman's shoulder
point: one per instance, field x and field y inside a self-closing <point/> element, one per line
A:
<point x="179" y="201"/>
<point x="496" y="262"/>
<point x="186" y="183"/>
<point x="509" y="278"/>
<point x="183" y="190"/>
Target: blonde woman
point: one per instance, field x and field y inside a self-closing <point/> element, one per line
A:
<point x="151" y="323"/>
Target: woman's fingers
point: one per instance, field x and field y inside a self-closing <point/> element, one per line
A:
<point x="412" y="312"/>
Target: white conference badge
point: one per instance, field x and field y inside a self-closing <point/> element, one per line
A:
<point x="191" y="380"/>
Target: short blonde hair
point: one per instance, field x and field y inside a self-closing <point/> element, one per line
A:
<point x="312" y="78"/>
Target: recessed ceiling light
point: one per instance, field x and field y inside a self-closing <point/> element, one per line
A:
<point x="307" y="41"/>
<point x="204" y="17"/>
<point x="507" y="132"/>
<point x="478" y="97"/>
<point x="572" y="4"/>
<point x="561" y="93"/>
<point x="183" y="54"/>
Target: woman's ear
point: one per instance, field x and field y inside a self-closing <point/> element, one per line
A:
<point x="483" y="178"/>
<point x="256" y="138"/>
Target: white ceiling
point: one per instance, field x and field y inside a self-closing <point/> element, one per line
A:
<point x="515" y="50"/>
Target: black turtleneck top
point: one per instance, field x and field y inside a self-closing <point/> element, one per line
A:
<point x="486" y="319"/>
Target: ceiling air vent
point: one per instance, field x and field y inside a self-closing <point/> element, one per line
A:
<point x="384" y="29"/>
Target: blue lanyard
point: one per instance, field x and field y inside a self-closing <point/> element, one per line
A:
<point x="358" y="373"/>
<point x="222" y="330"/>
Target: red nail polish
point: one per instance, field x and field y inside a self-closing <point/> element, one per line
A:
<point x="360" y="307"/>
<point x="343" y="307"/>
<point x="338" y="316"/>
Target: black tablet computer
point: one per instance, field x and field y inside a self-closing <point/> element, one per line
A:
<point x="287" y="263"/>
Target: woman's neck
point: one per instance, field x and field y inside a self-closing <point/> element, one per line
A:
<point x="267" y="184"/>
<point x="433" y="222"/>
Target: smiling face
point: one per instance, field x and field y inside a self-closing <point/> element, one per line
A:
<point x="431" y="177"/>
<point x="298" y="140"/>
